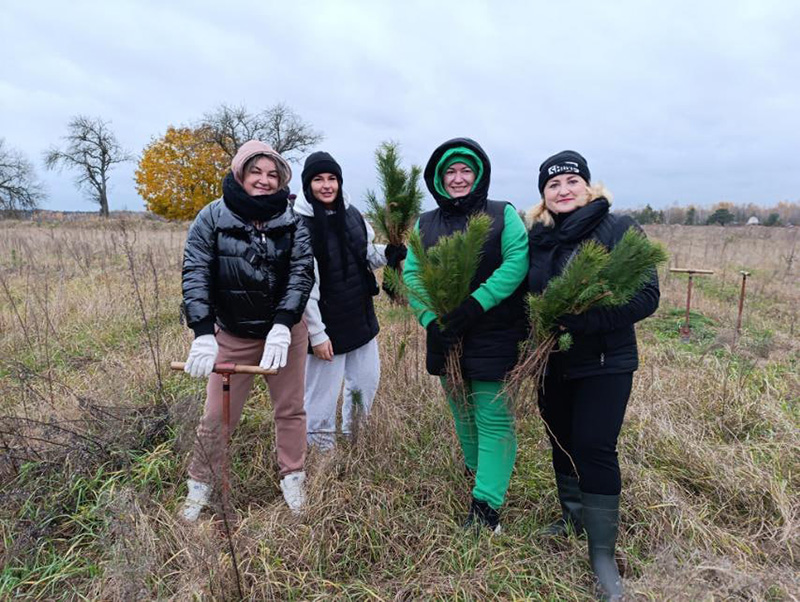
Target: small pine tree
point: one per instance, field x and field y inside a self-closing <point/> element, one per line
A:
<point x="446" y="269"/>
<point x="444" y="279"/>
<point x="402" y="197"/>
<point x="721" y="216"/>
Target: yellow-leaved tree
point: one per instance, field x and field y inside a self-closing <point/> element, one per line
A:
<point x="181" y="172"/>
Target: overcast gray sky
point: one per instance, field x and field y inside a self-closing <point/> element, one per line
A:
<point x="669" y="101"/>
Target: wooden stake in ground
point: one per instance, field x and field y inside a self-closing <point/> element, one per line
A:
<point x="686" y="328"/>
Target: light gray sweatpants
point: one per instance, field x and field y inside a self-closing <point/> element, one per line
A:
<point x="360" y="370"/>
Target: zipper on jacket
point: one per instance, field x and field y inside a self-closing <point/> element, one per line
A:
<point x="602" y="359"/>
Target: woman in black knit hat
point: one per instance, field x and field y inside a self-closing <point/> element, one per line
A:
<point x="340" y="314"/>
<point x="586" y="389"/>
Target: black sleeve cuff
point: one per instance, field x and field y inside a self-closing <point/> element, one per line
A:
<point x="285" y="318"/>
<point x="203" y="327"/>
<point x="474" y="307"/>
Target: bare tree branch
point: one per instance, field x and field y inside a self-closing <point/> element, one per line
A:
<point x="19" y="187"/>
<point x="231" y="126"/>
<point x="91" y="150"/>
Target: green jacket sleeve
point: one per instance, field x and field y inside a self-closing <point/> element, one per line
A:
<point x="410" y="277"/>
<point x="506" y="278"/>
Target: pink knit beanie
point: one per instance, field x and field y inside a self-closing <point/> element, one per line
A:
<point x="250" y="149"/>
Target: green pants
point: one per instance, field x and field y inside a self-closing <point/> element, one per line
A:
<point x="485" y="428"/>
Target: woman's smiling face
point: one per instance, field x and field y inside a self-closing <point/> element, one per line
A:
<point x="261" y="177"/>
<point x="325" y="187"/>
<point x="565" y="193"/>
<point x="458" y="180"/>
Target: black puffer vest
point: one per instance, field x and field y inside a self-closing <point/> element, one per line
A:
<point x="490" y="347"/>
<point x="609" y="346"/>
<point x="346" y="299"/>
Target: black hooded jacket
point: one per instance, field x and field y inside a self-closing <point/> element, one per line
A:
<point x="245" y="278"/>
<point x="606" y="340"/>
<point x="490" y="346"/>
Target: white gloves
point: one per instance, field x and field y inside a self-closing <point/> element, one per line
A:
<point x="202" y="356"/>
<point x="276" y="348"/>
<point x="203" y="353"/>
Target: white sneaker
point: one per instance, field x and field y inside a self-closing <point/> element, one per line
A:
<point x="196" y="499"/>
<point x="293" y="491"/>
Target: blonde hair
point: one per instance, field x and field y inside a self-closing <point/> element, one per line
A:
<point x="541" y="215"/>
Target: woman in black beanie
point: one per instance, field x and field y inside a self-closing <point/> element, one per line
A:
<point x="586" y="389"/>
<point x="340" y="314"/>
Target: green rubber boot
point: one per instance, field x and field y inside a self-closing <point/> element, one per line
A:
<point x="571" y="508"/>
<point x="601" y="521"/>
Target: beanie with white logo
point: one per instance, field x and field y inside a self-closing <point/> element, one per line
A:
<point x="564" y="162"/>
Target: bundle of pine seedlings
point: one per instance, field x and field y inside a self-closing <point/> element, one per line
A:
<point x="594" y="277"/>
<point x="444" y="279"/>
<point x="394" y="215"/>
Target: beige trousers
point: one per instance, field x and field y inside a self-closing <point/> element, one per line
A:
<point x="285" y="389"/>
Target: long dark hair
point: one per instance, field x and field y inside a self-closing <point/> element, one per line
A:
<point x="319" y="234"/>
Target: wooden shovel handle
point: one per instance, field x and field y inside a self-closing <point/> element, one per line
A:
<point x="229" y="368"/>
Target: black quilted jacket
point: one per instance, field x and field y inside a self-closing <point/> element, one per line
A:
<point x="243" y="278"/>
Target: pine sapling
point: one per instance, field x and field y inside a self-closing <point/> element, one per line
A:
<point x="594" y="277"/>
<point x="395" y="215"/>
<point x="444" y="278"/>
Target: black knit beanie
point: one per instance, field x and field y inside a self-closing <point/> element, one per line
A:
<point x="317" y="163"/>
<point x="564" y="162"/>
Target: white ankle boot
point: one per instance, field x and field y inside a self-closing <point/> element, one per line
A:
<point x="292" y="486"/>
<point x="196" y="499"/>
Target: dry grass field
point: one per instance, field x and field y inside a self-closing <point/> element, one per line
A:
<point x="94" y="434"/>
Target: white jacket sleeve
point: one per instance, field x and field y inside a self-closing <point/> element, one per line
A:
<point x="312" y="314"/>
<point x="376" y="254"/>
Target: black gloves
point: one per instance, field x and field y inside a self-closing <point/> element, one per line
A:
<point x="395" y="254"/>
<point x="438" y="339"/>
<point x="462" y="318"/>
<point x="456" y="323"/>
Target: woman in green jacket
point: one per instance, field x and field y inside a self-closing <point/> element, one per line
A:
<point x="490" y="323"/>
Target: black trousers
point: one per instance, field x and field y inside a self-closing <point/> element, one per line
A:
<point x="584" y="417"/>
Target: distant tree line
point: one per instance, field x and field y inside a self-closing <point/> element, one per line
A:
<point x="178" y="173"/>
<point x="722" y="214"/>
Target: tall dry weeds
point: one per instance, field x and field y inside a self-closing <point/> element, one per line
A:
<point x="93" y="450"/>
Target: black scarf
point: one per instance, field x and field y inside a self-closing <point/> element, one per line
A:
<point x="259" y="208"/>
<point x="552" y="247"/>
<point x="319" y="235"/>
<point x="573" y="226"/>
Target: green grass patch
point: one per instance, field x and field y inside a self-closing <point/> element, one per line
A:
<point x="666" y="327"/>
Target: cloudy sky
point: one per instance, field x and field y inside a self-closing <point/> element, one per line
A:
<point x="670" y="101"/>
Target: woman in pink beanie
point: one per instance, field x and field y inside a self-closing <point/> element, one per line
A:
<point x="247" y="274"/>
